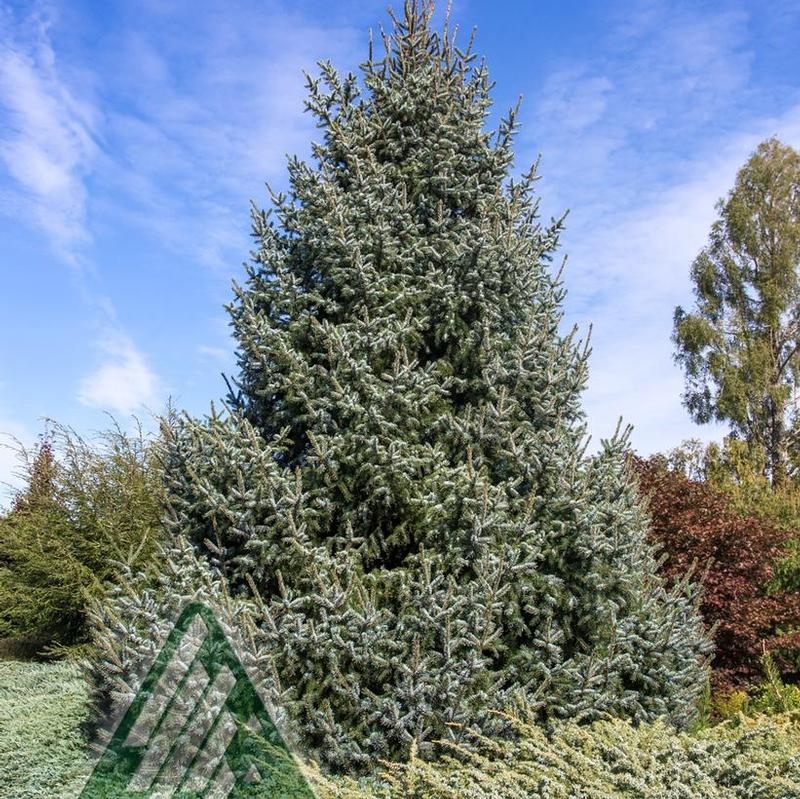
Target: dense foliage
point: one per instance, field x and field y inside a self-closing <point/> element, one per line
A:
<point x="87" y="507"/>
<point x="42" y="755"/>
<point x="735" y="556"/>
<point x="400" y="471"/>
<point x="740" y="348"/>
<point x="432" y="583"/>
<point x="608" y="760"/>
<point x="739" y="471"/>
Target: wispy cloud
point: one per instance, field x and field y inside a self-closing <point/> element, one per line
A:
<point x="14" y="435"/>
<point x="197" y="113"/>
<point x="215" y="353"/>
<point x="641" y="139"/>
<point x="150" y="132"/>
<point x="203" y="117"/>
<point x="47" y="144"/>
<point x="615" y="125"/>
<point x="123" y="382"/>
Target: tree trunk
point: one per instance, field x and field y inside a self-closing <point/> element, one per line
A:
<point x="777" y="447"/>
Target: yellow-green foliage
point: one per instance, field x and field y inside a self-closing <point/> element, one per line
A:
<point x="728" y="704"/>
<point x="773" y="695"/>
<point x="42" y="755"/>
<point x="739" y="470"/>
<point x="609" y="760"/>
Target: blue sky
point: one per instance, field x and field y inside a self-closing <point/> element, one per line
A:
<point x="134" y="134"/>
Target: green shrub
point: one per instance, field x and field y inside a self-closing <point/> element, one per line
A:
<point x="771" y="696"/>
<point x="611" y="760"/>
<point x="737" y="469"/>
<point x="42" y="755"/>
<point x="86" y="508"/>
<point x="729" y="703"/>
<point x="42" y="710"/>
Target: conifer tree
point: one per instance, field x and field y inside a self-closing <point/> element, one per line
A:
<point x="399" y="475"/>
<point x="87" y="507"/>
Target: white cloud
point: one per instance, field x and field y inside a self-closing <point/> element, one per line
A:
<point x="215" y="353"/>
<point x="192" y="148"/>
<point x="640" y="140"/>
<point x="47" y="134"/>
<point x="612" y="126"/>
<point x="12" y="434"/>
<point x="124" y="382"/>
<point x="575" y="99"/>
<point x="632" y="269"/>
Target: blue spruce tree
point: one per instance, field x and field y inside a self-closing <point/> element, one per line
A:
<point x="399" y="477"/>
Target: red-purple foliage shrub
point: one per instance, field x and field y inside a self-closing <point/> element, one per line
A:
<point x="734" y="557"/>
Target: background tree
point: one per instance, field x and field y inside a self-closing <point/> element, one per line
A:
<point x="87" y="508"/>
<point x="736" y="556"/>
<point x="399" y="477"/>
<point x="739" y="348"/>
<point x="737" y="470"/>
